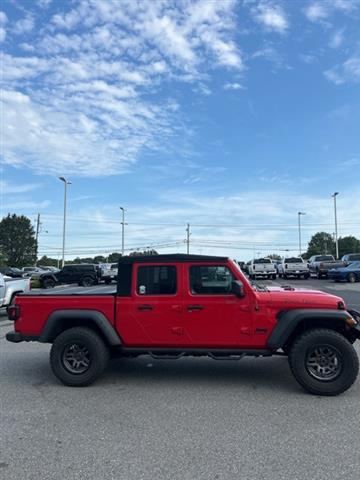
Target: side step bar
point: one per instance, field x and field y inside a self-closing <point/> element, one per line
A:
<point x="176" y="353"/>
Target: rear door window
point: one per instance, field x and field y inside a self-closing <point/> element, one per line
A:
<point x="156" y="280"/>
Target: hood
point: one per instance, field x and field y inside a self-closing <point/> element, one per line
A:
<point x="302" y="298"/>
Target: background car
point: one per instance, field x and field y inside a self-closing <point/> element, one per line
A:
<point x="351" y="273"/>
<point x="11" y="272"/>
<point x="293" y="266"/>
<point x="351" y="257"/>
<point x="84" y="274"/>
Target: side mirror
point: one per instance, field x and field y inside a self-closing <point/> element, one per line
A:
<point x="237" y="289"/>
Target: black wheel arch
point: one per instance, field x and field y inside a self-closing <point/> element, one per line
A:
<point x="62" y="320"/>
<point x="293" y="323"/>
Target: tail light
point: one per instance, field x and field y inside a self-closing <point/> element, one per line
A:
<point x="13" y="312"/>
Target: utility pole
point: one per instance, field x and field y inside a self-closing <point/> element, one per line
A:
<point x="37" y="237"/>
<point x="299" y="226"/>
<point x="188" y="238"/>
<point x="334" y="195"/>
<point x="122" y="231"/>
<point x="66" y="183"/>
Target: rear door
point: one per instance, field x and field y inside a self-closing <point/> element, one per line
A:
<point x="153" y="315"/>
<point x="213" y="315"/>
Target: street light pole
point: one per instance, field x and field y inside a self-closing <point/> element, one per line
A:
<point x="299" y="224"/>
<point x="334" y="195"/>
<point x="66" y="183"/>
<point x="122" y="231"/>
<point x="188" y="238"/>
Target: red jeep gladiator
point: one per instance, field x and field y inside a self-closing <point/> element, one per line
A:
<point x="168" y="306"/>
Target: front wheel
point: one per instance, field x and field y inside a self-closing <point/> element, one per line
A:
<point x="78" y="356"/>
<point x="324" y="362"/>
<point x="351" y="278"/>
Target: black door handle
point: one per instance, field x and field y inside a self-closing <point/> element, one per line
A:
<point x="145" y="307"/>
<point x="194" y="307"/>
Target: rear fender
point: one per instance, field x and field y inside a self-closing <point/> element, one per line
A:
<point x="61" y="320"/>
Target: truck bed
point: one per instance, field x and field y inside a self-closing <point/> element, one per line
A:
<point x="35" y="308"/>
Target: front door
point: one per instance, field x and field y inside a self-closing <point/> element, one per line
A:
<point x="214" y="316"/>
<point x="153" y="316"/>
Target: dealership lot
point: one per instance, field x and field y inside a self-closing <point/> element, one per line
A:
<point x="187" y="419"/>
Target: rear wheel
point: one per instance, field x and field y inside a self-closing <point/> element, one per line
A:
<point x="324" y="362"/>
<point x="307" y="275"/>
<point x="107" y="281"/>
<point x="78" y="356"/>
<point x="48" y="283"/>
<point x="87" y="282"/>
<point x="351" y="278"/>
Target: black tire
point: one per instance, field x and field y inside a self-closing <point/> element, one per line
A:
<point x="318" y="275"/>
<point x="351" y="278"/>
<point x="274" y="276"/>
<point x="307" y="276"/>
<point x="90" y="345"/>
<point x="48" y="283"/>
<point x="285" y="276"/>
<point x="87" y="281"/>
<point x="107" y="281"/>
<point x="324" y="362"/>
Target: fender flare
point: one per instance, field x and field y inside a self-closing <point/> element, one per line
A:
<point x="93" y="316"/>
<point x="44" y="276"/>
<point x="289" y="320"/>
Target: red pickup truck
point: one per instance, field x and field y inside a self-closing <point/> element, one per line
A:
<point x="168" y="306"/>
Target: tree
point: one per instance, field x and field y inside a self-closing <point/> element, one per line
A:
<point x="114" y="257"/>
<point x="321" y="243"/>
<point x="274" y="256"/>
<point x="349" y="244"/>
<point x="47" y="261"/>
<point x="17" y="241"/>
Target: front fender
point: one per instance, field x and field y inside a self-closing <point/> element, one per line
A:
<point x="288" y="321"/>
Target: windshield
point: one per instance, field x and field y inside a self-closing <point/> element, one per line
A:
<point x="293" y="260"/>
<point x="324" y="258"/>
<point x="262" y="260"/>
<point x="353" y="265"/>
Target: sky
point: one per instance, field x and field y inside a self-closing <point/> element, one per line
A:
<point x="231" y="116"/>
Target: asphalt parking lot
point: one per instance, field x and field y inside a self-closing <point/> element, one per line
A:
<point x="191" y="419"/>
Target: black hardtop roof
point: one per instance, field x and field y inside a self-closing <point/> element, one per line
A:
<point x="172" y="257"/>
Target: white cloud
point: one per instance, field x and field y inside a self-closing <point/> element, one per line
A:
<point x="24" y="25"/>
<point x="222" y="225"/>
<point x="317" y="11"/>
<point x="337" y="39"/>
<point x="233" y="86"/>
<point x="3" y="21"/>
<point x="3" y="18"/>
<point x="347" y="72"/>
<point x="272" y="17"/>
<point x="7" y="188"/>
<point x="89" y="96"/>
